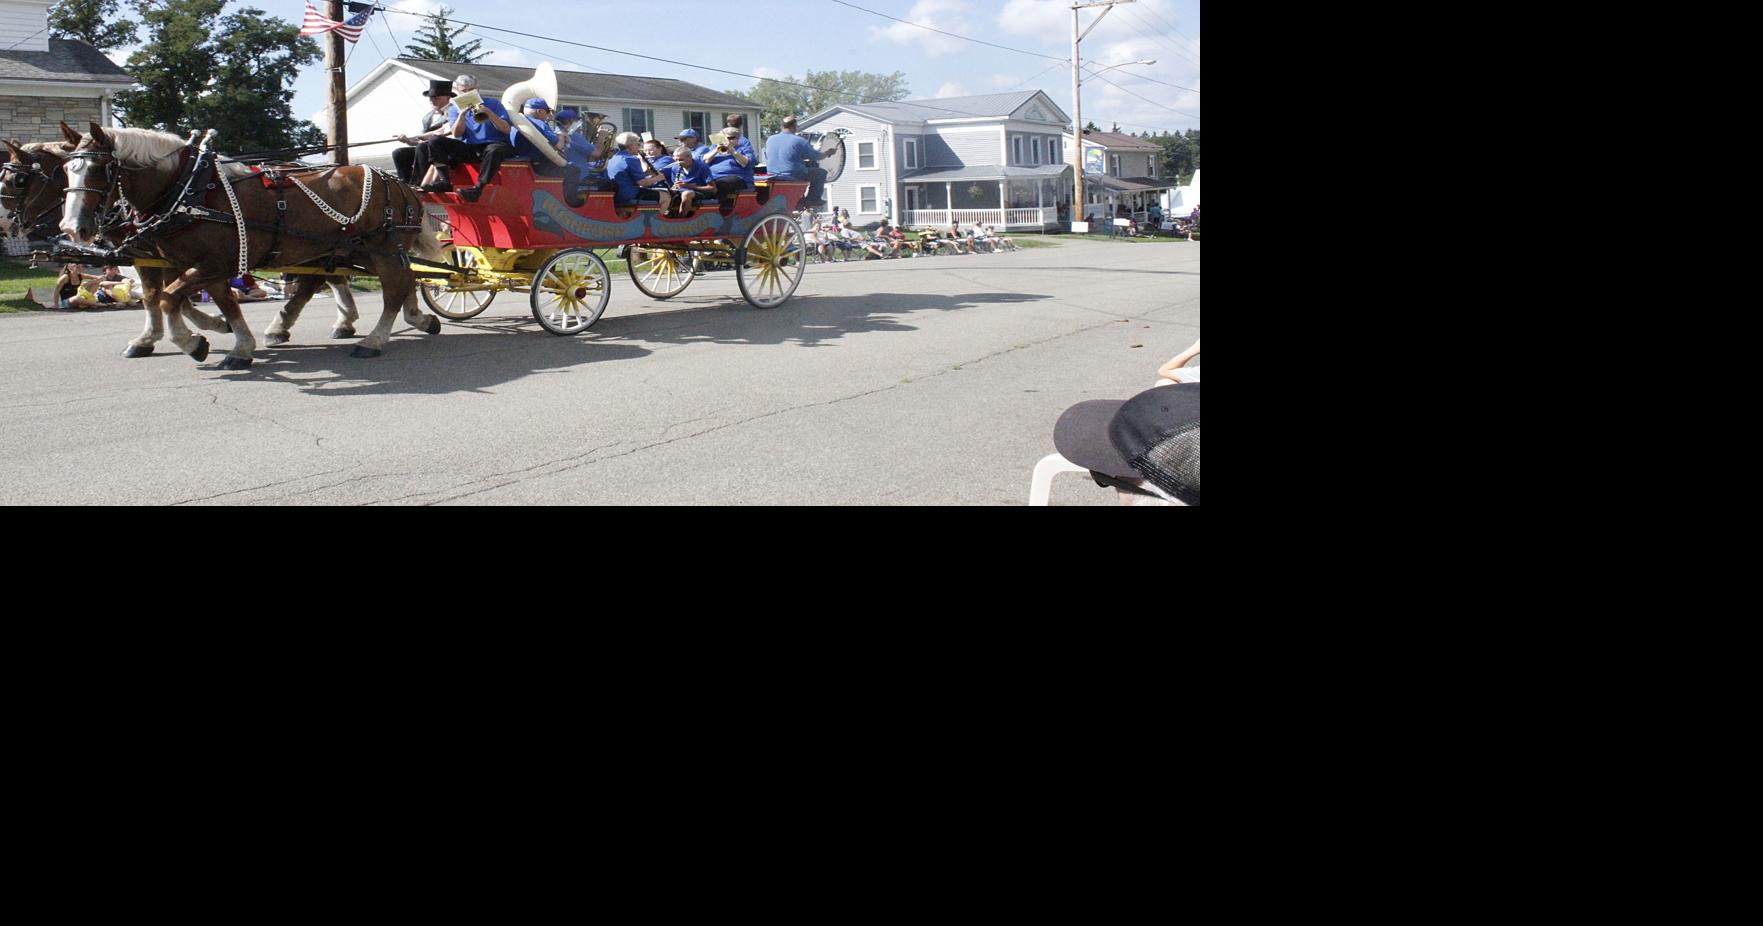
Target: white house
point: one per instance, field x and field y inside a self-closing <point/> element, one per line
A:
<point x="44" y="81"/>
<point x="997" y="160"/>
<point x="390" y="100"/>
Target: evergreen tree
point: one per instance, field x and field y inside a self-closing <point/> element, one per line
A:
<point x="1091" y="127"/>
<point x="233" y="74"/>
<point x="92" y="21"/>
<point x="435" y="42"/>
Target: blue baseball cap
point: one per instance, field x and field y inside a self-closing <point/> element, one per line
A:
<point x="688" y="133"/>
<point x="537" y="102"/>
<point x="568" y="112"/>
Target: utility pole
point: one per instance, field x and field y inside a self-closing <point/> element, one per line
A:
<point x="1079" y="213"/>
<point x="337" y="132"/>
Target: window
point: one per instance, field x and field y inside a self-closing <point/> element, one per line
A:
<point x="869" y="199"/>
<point x="911" y="154"/>
<point x="1115" y="160"/>
<point x="1016" y="149"/>
<point x="1037" y="151"/>
<point x="639" y="121"/>
<point x="1057" y="148"/>
<point x="866" y="155"/>
<point x="691" y="120"/>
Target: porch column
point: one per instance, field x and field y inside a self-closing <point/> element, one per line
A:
<point x="1003" y="204"/>
<point x="949" y="192"/>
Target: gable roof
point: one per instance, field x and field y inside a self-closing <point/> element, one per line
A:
<point x="987" y="106"/>
<point x="66" y="61"/>
<point x="493" y="80"/>
<point x="1116" y="141"/>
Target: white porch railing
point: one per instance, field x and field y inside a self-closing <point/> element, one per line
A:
<point x="1006" y="218"/>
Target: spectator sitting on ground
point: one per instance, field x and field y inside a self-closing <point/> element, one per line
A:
<point x="999" y="241"/>
<point x="1194" y="222"/>
<point x="822" y="242"/>
<point x="245" y="289"/>
<point x="878" y="244"/>
<point x="956" y="239"/>
<point x="849" y="240"/>
<point x="896" y="240"/>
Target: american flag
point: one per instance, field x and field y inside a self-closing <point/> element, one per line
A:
<point x="317" y="24"/>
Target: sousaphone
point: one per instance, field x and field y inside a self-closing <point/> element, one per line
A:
<point x="544" y="85"/>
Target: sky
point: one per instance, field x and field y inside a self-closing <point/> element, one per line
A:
<point x="790" y="37"/>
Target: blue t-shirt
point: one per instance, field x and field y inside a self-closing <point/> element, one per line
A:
<point x="480" y="133"/>
<point x="580" y="154"/>
<point x="523" y="148"/>
<point x="625" y="170"/>
<point x="784" y="154"/>
<point x="699" y="175"/>
<point x="724" y="166"/>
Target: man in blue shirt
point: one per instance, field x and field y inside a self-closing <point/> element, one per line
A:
<point x="787" y="156"/>
<point x="632" y="181"/>
<point x="538" y="113"/>
<point x="731" y="168"/>
<point x="691" y="182"/>
<point x="478" y="136"/>
<point x="577" y="149"/>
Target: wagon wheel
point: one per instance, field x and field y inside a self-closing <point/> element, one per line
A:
<point x="660" y="273"/>
<point x="570" y="292"/>
<point x="458" y="304"/>
<point x="773" y="266"/>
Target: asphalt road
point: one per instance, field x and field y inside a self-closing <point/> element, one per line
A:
<point x="922" y="382"/>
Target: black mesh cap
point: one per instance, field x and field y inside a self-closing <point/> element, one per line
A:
<point x="1158" y="432"/>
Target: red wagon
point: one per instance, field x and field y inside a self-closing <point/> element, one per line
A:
<point x="521" y="236"/>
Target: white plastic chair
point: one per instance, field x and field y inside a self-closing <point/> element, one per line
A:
<point x="1041" y="488"/>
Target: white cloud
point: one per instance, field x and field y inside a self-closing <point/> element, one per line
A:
<point x="952" y="88"/>
<point x="948" y="15"/>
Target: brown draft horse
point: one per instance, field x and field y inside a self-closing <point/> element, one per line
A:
<point x="32" y="196"/>
<point x="141" y="169"/>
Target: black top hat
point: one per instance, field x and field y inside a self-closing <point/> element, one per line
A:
<point x="440" y="88"/>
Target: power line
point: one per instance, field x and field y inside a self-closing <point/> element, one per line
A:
<point x="1034" y="78"/>
<point x="1145" y="98"/>
<point x="1150" y="32"/>
<point x="536" y="51"/>
<point x="27" y="38"/>
<point x="949" y="34"/>
<point x="1151" y="79"/>
<point x="1152" y="10"/>
<point x="686" y="64"/>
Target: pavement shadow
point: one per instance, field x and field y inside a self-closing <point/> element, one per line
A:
<point x="807" y="320"/>
<point x="417" y="364"/>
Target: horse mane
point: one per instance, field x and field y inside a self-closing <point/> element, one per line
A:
<point x="140" y="147"/>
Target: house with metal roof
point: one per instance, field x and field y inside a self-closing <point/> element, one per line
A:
<point x="45" y="81"/>
<point x="1120" y="171"/>
<point x="392" y="98"/>
<point x="997" y="159"/>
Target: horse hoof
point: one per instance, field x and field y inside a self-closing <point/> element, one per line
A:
<point x="341" y="334"/>
<point x="277" y="340"/>
<point x="235" y="363"/>
<point x="365" y="353"/>
<point x="138" y="350"/>
<point x="201" y="352"/>
<point x="432" y="325"/>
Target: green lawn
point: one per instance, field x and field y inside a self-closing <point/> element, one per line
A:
<point x="16" y="277"/>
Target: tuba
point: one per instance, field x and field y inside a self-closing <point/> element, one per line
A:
<point x="543" y="84"/>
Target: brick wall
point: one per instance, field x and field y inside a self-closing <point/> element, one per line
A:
<point x="29" y="119"/>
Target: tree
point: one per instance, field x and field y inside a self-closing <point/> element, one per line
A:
<point x="92" y="21"/>
<point x="1116" y="129"/>
<point x="233" y="74"/>
<point x="1181" y="154"/>
<point x="1091" y="127"/>
<point x="435" y="42"/>
<point x="823" y="89"/>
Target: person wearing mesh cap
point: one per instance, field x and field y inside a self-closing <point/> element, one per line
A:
<point x="1146" y="447"/>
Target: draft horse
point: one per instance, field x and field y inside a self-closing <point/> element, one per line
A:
<point x="33" y="190"/>
<point x="211" y="219"/>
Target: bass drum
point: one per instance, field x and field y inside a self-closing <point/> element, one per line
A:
<point x="832" y="155"/>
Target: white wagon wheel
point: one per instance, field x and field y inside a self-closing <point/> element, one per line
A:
<point x="659" y="272"/>
<point x="772" y="268"/>
<point x="570" y="292"/>
<point x="458" y="304"/>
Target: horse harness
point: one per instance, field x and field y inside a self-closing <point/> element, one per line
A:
<point x="198" y="176"/>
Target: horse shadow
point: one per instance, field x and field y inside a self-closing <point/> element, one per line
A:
<point x="805" y="321"/>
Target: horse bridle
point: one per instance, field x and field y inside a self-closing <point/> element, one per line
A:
<point x="25" y="176"/>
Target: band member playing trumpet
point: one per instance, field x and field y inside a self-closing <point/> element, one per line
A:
<point x="731" y="166"/>
<point x="636" y="179"/>
<point x="479" y="135"/>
